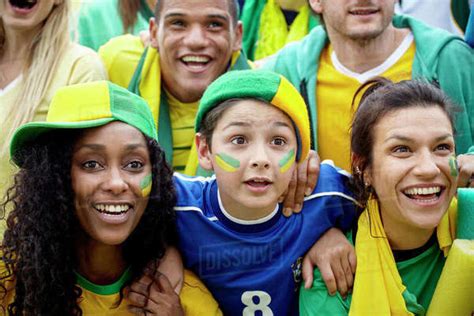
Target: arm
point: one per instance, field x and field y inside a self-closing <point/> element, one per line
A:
<point x="335" y="257"/>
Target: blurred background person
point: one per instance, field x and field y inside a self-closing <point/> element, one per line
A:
<point x="270" y="24"/>
<point x="100" y="20"/>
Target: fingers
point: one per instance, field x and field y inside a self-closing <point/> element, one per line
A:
<point x="328" y="277"/>
<point x="313" y="172"/>
<point x="307" y="272"/>
<point x="466" y="171"/>
<point x="352" y="260"/>
<point x="145" y="37"/>
<point x="163" y="283"/>
<point x="161" y="298"/>
<point x="301" y="185"/>
<point x="139" y="291"/>
<point x="289" y="202"/>
<point x="348" y="277"/>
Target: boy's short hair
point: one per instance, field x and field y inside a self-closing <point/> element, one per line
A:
<point x="262" y="85"/>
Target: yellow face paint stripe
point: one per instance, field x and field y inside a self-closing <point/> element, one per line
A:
<point x="145" y="185"/>
<point x="287" y="161"/>
<point x="227" y="163"/>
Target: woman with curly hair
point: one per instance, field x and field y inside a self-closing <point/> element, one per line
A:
<point x="36" y="58"/>
<point x="99" y="21"/>
<point x="92" y="208"/>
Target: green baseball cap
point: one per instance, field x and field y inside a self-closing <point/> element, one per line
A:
<point x="87" y="105"/>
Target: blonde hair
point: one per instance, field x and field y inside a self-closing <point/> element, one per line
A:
<point x="46" y="52"/>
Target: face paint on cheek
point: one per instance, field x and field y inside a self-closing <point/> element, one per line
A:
<point x="453" y="166"/>
<point x="286" y="162"/>
<point x="145" y="185"/>
<point x="227" y="163"/>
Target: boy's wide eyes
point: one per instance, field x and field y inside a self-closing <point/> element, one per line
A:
<point x="278" y="141"/>
<point x="238" y="140"/>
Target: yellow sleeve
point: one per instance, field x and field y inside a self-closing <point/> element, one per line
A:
<point x="84" y="65"/>
<point x="120" y="56"/>
<point x="196" y="298"/>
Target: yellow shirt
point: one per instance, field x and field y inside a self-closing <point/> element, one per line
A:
<point x="336" y="87"/>
<point x="182" y="116"/>
<point x="99" y="300"/>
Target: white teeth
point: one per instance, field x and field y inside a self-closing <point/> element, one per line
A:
<point x="422" y="191"/>
<point x="112" y="208"/>
<point x="195" y="59"/>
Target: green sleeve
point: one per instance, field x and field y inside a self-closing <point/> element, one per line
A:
<point x="455" y="71"/>
<point x="317" y="301"/>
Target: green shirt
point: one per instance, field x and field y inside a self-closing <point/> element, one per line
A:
<point x="419" y="274"/>
<point x="100" y="20"/>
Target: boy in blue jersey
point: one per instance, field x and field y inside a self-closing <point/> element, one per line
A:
<point x="253" y="128"/>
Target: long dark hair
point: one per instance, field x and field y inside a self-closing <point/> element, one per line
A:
<point x="38" y="246"/>
<point x="381" y="97"/>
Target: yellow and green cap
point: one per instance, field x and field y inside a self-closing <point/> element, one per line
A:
<point x="263" y="85"/>
<point x="87" y="105"/>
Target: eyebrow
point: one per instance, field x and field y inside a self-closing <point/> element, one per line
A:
<point x="218" y="16"/>
<point x="173" y="14"/>
<point x="408" y="139"/>
<point x="246" y="124"/>
<point x="213" y="16"/>
<point x="99" y="147"/>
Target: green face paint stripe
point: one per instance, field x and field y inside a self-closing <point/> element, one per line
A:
<point x="224" y="166"/>
<point x="453" y="166"/>
<point x="232" y="162"/>
<point x="145" y="185"/>
<point x="286" y="162"/>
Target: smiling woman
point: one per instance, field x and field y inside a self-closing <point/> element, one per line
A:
<point x="92" y="208"/>
<point x="402" y="144"/>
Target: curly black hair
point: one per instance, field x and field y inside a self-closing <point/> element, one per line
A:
<point x="38" y="247"/>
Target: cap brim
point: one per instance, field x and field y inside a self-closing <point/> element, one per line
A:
<point x="32" y="130"/>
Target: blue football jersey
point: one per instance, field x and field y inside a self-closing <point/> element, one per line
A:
<point x="254" y="267"/>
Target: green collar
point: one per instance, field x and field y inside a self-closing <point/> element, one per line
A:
<point x="109" y="289"/>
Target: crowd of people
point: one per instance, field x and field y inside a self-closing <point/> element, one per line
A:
<point x="223" y="157"/>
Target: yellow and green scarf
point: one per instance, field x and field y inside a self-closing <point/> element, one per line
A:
<point x="266" y="30"/>
<point x="377" y="283"/>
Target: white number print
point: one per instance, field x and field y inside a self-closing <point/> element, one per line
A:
<point x="251" y="308"/>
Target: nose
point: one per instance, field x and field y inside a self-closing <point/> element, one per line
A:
<point x="195" y="38"/>
<point x="260" y="158"/>
<point x="114" y="182"/>
<point x="426" y="165"/>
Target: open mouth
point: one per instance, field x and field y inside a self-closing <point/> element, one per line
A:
<point x="195" y="61"/>
<point x="363" y="11"/>
<point x="23" y="4"/>
<point x="112" y="209"/>
<point x="258" y="183"/>
<point x="424" y="195"/>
